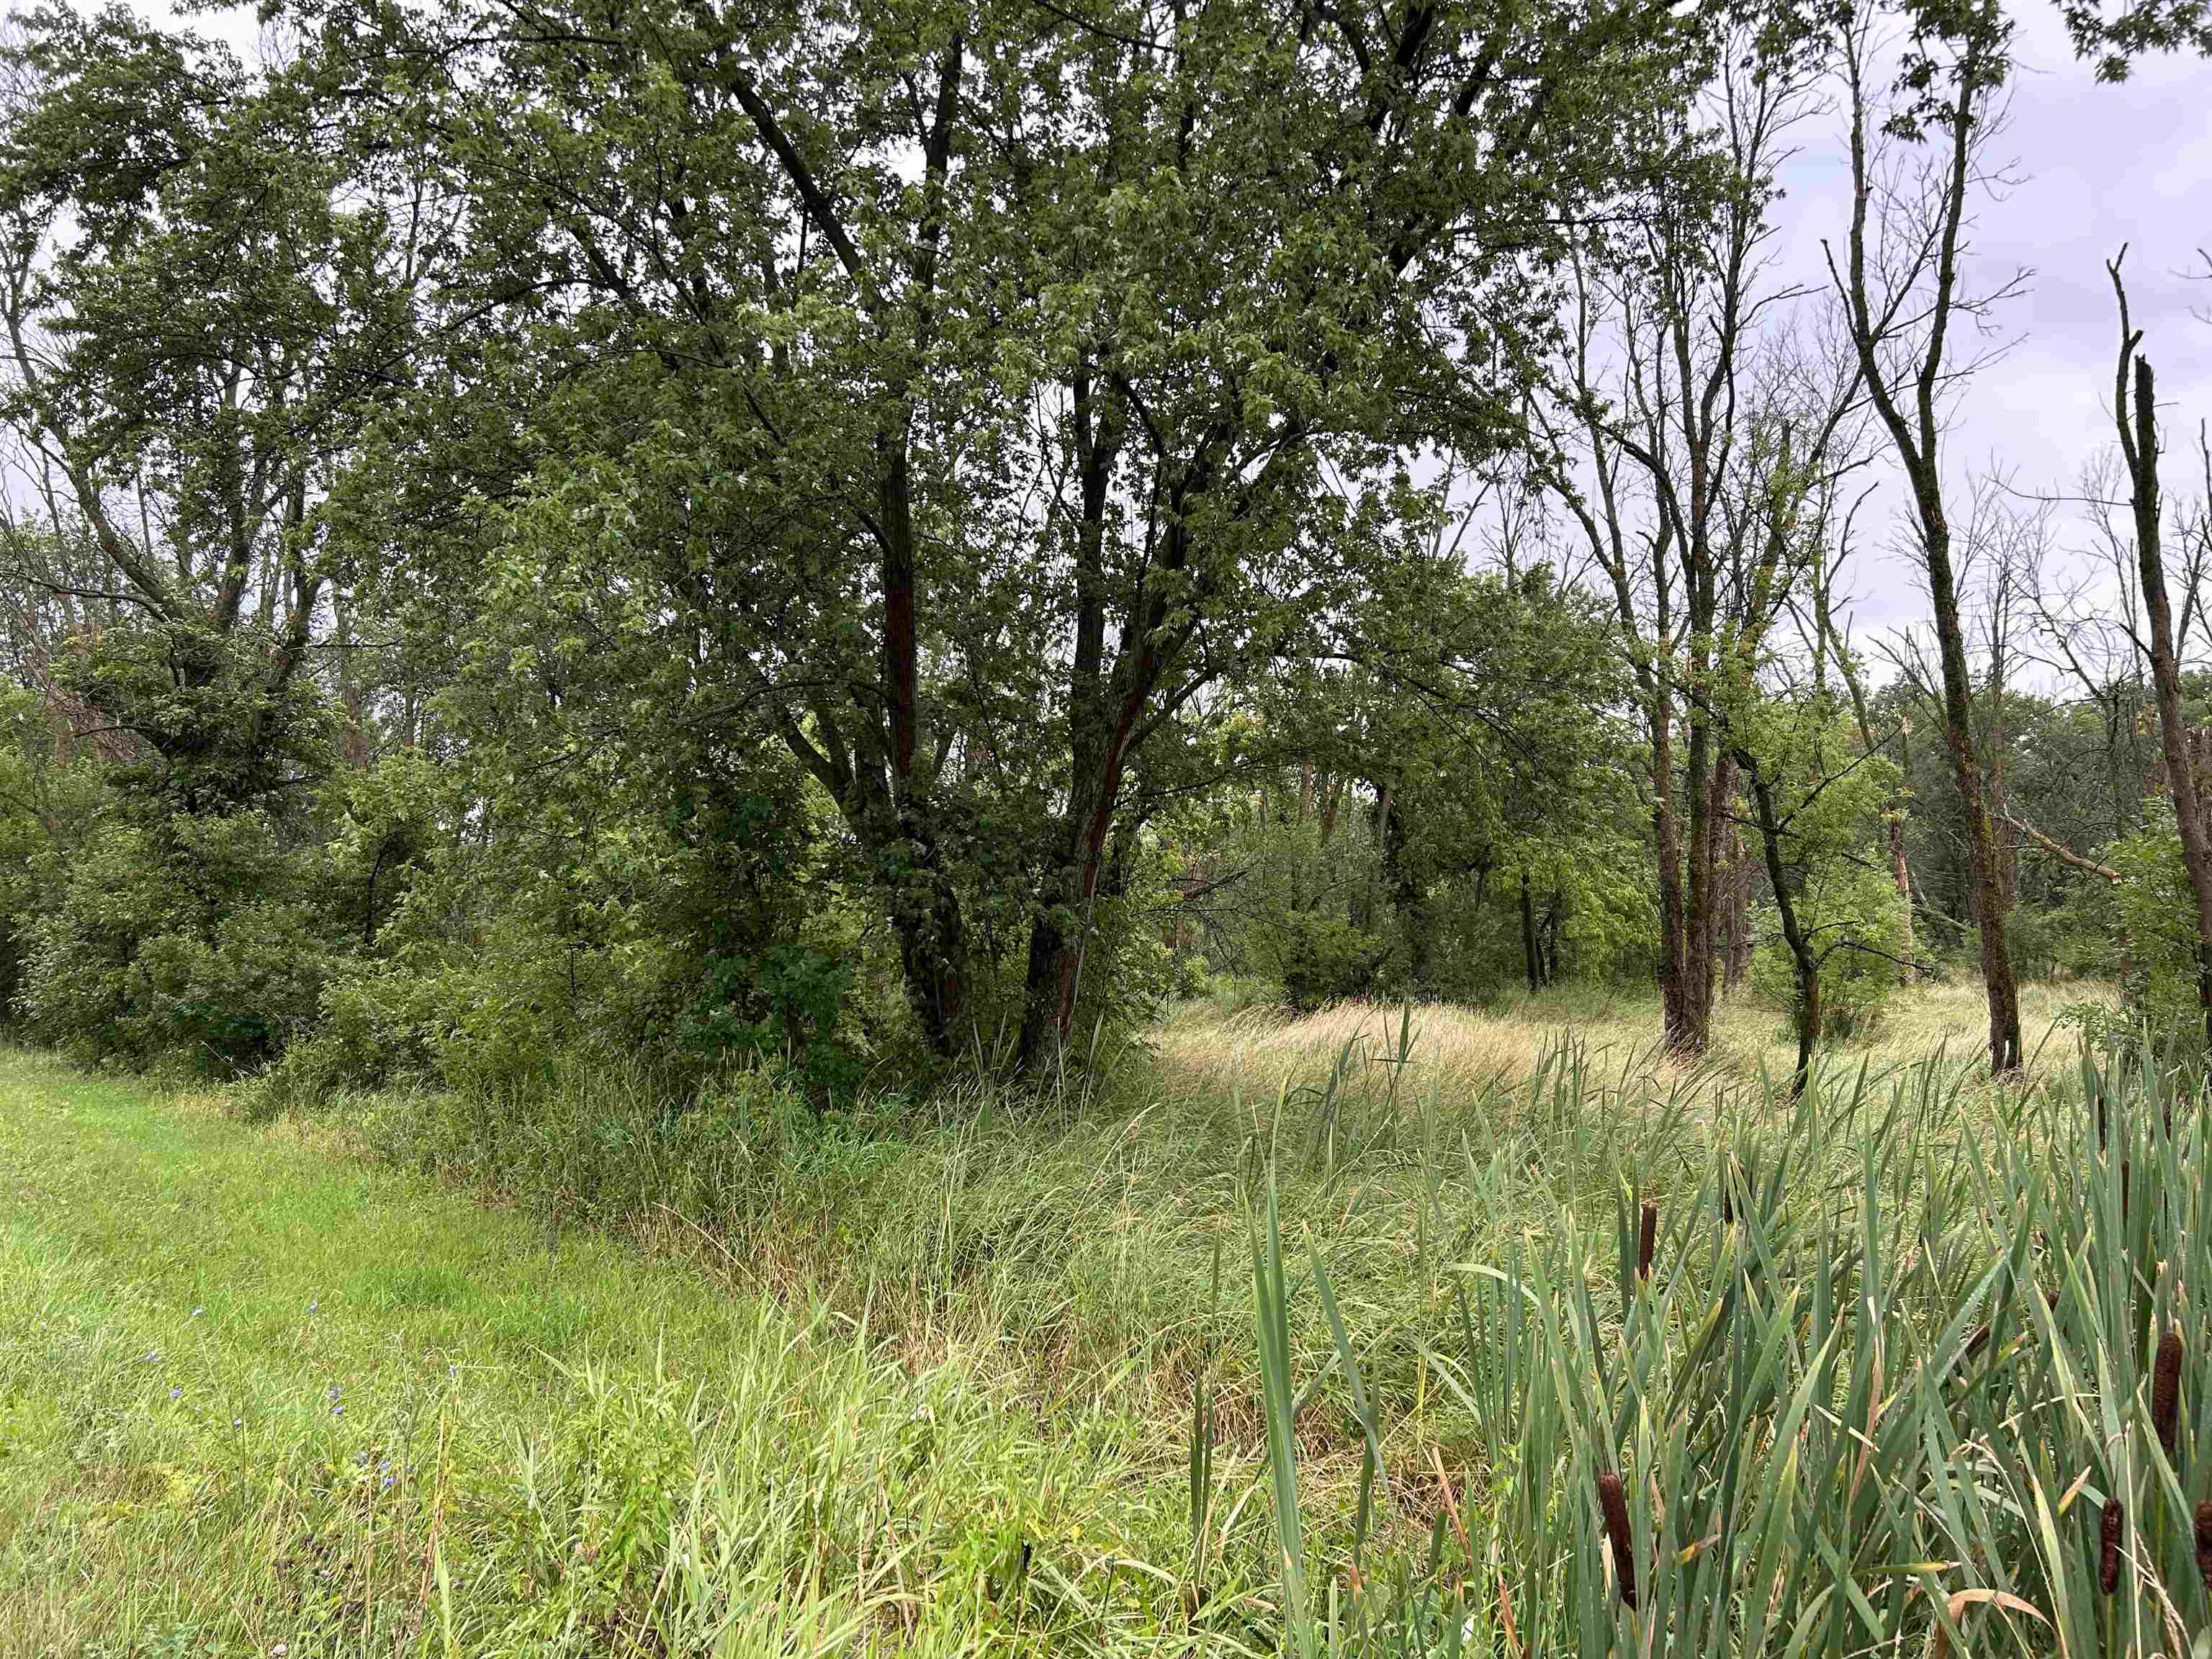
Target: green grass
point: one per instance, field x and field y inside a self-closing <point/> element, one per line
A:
<point x="982" y="1373"/>
<point x="254" y="1393"/>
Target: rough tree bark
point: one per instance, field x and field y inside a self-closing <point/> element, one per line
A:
<point x="2139" y="449"/>
<point x="1916" y="432"/>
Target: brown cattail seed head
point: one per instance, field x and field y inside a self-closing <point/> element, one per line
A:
<point x="1647" y="1241"/>
<point x="2204" y="1544"/>
<point x="2124" y="1189"/>
<point x="1976" y="1342"/>
<point x="1613" y="1504"/>
<point x="2110" y="1525"/>
<point x="2166" y="1392"/>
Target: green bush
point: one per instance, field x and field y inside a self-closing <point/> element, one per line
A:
<point x="190" y="941"/>
<point x="1856" y="925"/>
<point x="2149" y="926"/>
<point x="1318" y="957"/>
<point x="49" y="804"/>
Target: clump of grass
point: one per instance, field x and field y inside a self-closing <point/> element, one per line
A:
<point x="1827" y="1472"/>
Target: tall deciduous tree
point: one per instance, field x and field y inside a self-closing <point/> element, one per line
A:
<point x="1687" y="403"/>
<point x="204" y="298"/>
<point x="2135" y="414"/>
<point x="993" y="382"/>
<point x="1901" y="284"/>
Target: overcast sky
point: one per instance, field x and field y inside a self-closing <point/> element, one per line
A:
<point x="2096" y="165"/>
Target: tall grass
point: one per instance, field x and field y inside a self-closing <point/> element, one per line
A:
<point x="1889" y="1379"/>
<point x="1516" y="1311"/>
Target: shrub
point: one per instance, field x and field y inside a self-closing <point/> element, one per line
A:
<point x="189" y="940"/>
<point x="2148" y="920"/>
<point x="1857" y="926"/>
<point x="1319" y="958"/>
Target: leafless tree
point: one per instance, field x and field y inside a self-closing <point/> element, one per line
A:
<point x="1916" y="158"/>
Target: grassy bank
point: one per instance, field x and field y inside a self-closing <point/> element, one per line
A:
<point x="255" y="1397"/>
<point x="569" y="1375"/>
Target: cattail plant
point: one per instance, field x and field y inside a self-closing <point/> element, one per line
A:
<point x="1976" y="1343"/>
<point x="1776" y="1466"/>
<point x="2166" y="1392"/>
<point x="1614" y="1504"/>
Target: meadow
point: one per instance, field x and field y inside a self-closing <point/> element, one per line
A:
<point x="1404" y="1330"/>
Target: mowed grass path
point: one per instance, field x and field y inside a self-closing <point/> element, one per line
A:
<point x="259" y="1397"/>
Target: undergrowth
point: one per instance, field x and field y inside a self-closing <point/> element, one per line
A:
<point x="1399" y="1349"/>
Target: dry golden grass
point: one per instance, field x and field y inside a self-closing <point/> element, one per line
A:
<point x="1460" y="1050"/>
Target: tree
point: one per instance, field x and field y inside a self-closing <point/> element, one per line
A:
<point x="2137" y="425"/>
<point x="1703" y="417"/>
<point x="1899" y="285"/>
<point x="986" y="387"/>
<point x="203" y="300"/>
<point x="2133" y="29"/>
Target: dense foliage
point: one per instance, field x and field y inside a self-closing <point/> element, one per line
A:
<point x="852" y="539"/>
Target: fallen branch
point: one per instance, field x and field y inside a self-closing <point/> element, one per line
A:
<point x="2063" y="854"/>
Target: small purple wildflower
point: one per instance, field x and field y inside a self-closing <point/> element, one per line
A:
<point x="176" y="1394"/>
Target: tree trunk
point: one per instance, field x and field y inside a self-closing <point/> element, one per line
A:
<point x="1916" y="432"/>
<point x="932" y="951"/>
<point x="1900" y="871"/>
<point x="1983" y="872"/>
<point x="2140" y="452"/>
<point x="1053" y="980"/>
<point x="1710" y="781"/>
<point x="1804" y="966"/>
<point x="1102" y="717"/>
<point x="1531" y="958"/>
<point x="1666" y="843"/>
